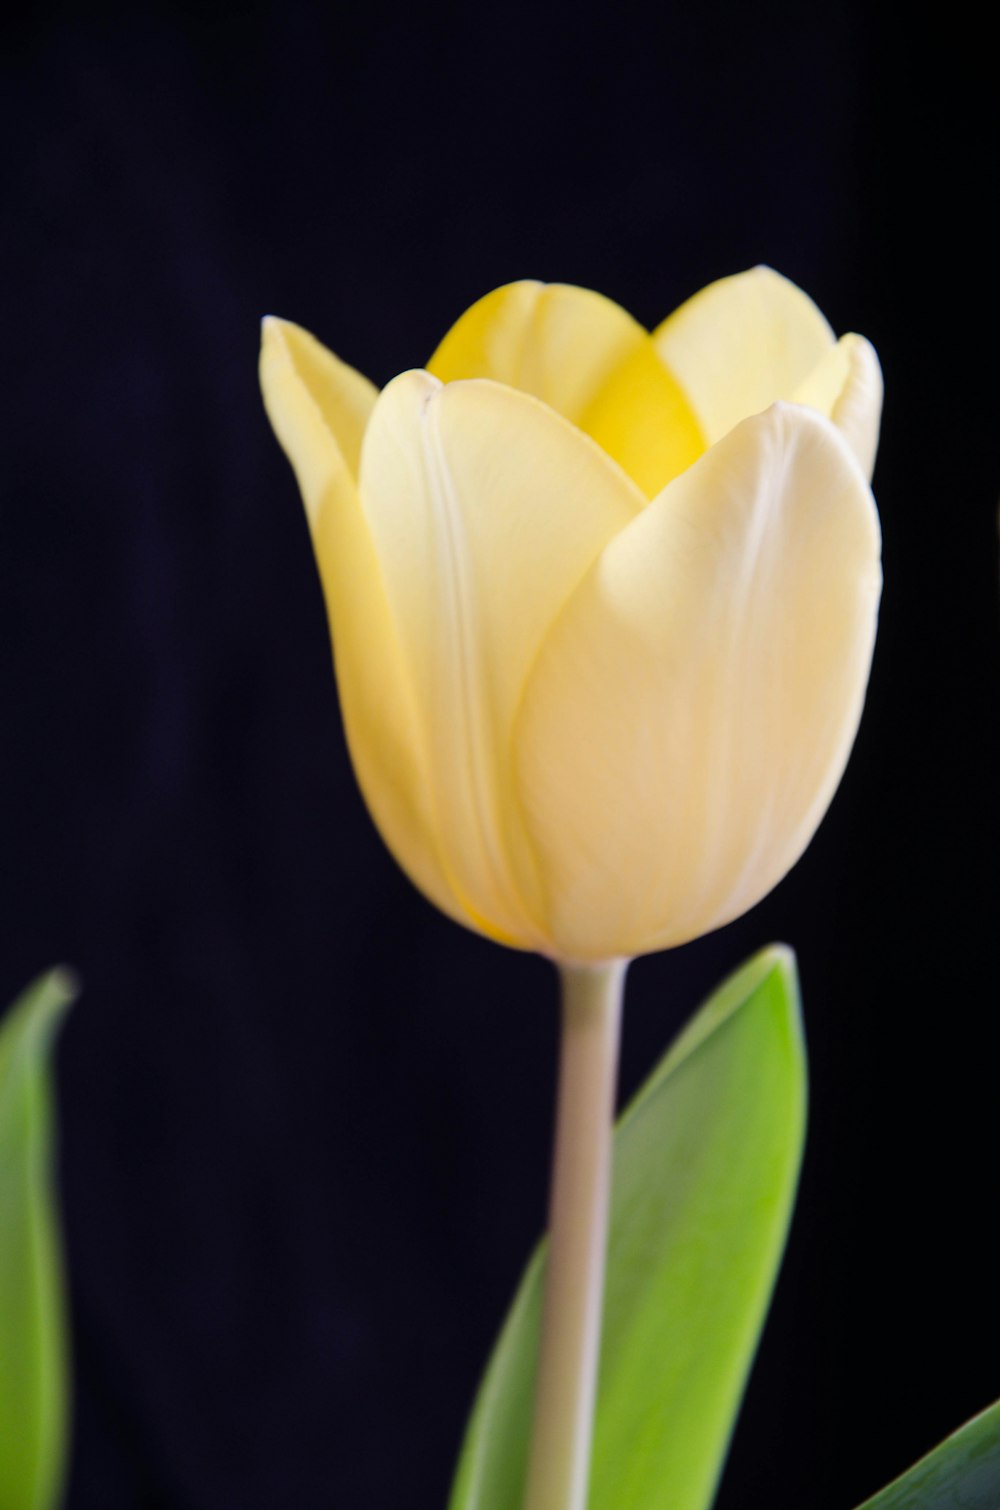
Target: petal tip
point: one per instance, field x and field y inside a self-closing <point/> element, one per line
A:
<point x="422" y="382"/>
<point x="274" y="338"/>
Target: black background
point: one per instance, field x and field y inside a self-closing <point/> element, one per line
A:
<point x="305" y="1120"/>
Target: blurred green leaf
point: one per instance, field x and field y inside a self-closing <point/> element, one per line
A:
<point x="33" y="1358"/>
<point x="961" y="1473"/>
<point x="706" y="1162"/>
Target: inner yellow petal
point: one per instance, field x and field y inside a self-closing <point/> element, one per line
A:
<point x="643" y="420"/>
<point x="555" y="341"/>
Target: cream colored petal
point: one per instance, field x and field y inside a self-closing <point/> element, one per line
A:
<point x="555" y="341"/>
<point x="740" y="344"/>
<point x="486" y="509"/>
<point x="846" y="386"/>
<point x="690" y="714"/>
<point x="304" y="389"/>
<point x="343" y="396"/>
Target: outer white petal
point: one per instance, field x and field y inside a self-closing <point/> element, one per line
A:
<point x="691" y="712"/>
<point x="740" y="344"/>
<point x="486" y="508"/>
<point x="298" y="370"/>
<point x="847" y="387"/>
<point x="318" y="408"/>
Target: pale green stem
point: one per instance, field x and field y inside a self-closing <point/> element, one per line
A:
<point x="559" y="1466"/>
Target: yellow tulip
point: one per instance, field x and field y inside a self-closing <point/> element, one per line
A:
<point x="603" y="602"/>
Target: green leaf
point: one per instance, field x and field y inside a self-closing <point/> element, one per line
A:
<point x="706" y="1161"/>
<point x="962" y="1472"/>
<point x="33" y="1366"/>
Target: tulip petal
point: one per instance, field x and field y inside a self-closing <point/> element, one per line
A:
<point x="553" y="340"/>
<point x="487" y="509"/>
<point x="691" y="712"/>
<point x="846" y="386"/>
<point x="740" y="344"/>
<point x="315" y="405"/>
<point x="642" y="418"/>
<point x="588" y="359"/>
<point x="343" y="396"/>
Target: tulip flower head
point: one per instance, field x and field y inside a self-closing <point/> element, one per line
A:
<point x="603" y="602"/>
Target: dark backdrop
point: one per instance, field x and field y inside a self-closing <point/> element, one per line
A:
<point x="305" y="1120"/>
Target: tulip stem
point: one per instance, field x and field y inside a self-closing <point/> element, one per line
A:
<point x="559" y="1465"/>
